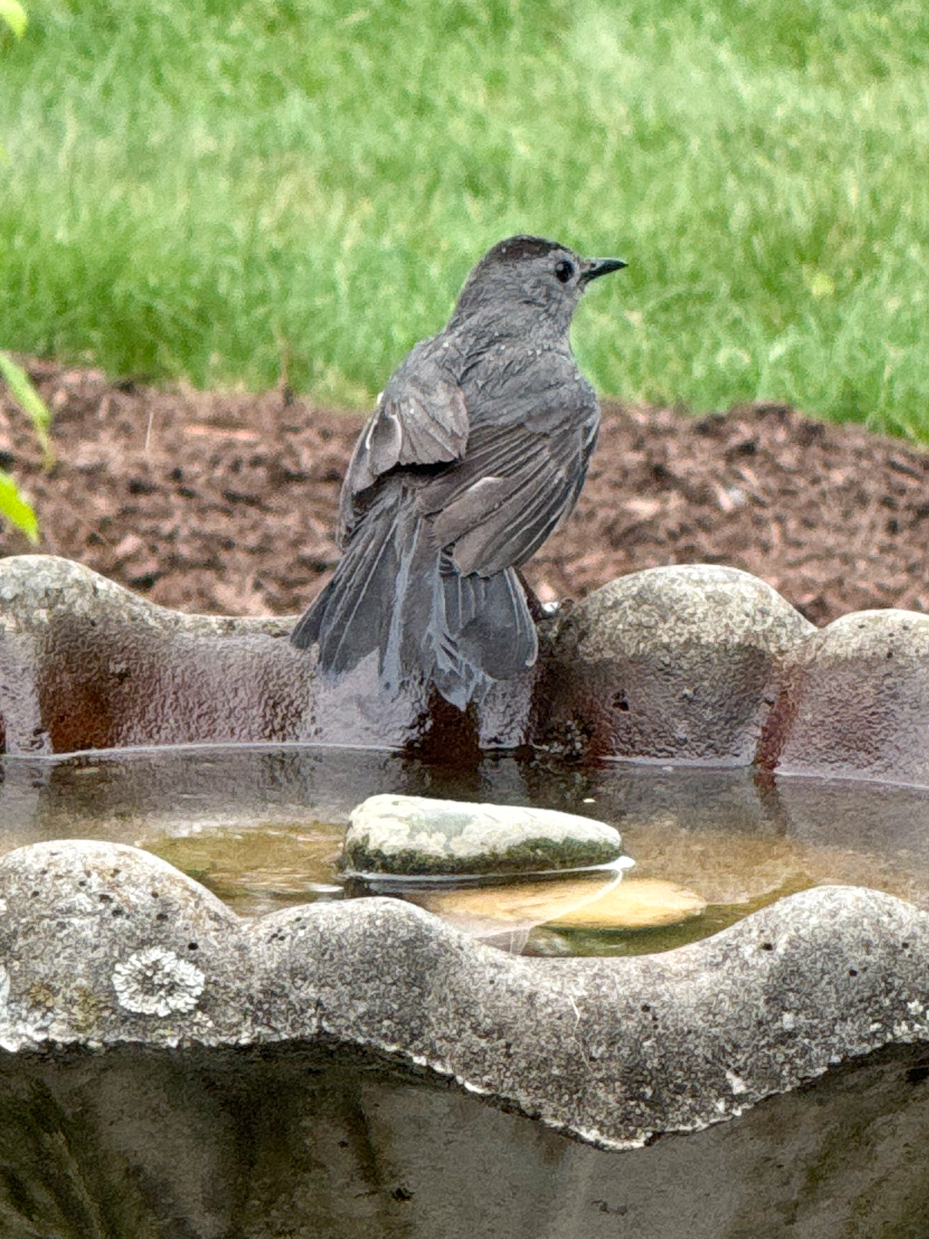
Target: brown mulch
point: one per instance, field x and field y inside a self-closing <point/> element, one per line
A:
<point x="226" y="503"/>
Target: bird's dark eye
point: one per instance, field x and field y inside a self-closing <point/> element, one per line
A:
<point x="564" y="270"/>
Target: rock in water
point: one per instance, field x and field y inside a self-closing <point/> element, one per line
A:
<point x="637" y="903"/>
<point x="414" y="835"/>
<point x="503" y="914"/>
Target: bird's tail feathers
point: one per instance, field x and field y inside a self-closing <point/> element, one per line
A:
<point x="396" y="591"/>
<point x="486" y="632"/>
<point x="349" y="618"/>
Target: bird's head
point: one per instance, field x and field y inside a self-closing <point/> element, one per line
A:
<point x="529" y="275"/>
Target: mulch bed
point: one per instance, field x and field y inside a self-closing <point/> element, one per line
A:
<point x="226" y="503"/>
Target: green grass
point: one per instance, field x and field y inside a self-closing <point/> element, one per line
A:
<point x="232" y="191"/>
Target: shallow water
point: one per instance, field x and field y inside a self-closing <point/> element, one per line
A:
<point x="262" y="827"/>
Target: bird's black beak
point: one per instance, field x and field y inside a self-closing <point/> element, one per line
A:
<point x="595" y="267"/>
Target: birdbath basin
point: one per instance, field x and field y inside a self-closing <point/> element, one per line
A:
<point x="204" y="1032"/>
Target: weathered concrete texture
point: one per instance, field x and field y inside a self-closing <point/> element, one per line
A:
<point x="309" y="1142"/>
<point x="85" y="664"/>
<point x="672" y="664"/>
<point x="856" y="701"/>
<point x="101" y="944"/>
<point x="394" y="834"/>
<point x="693" y="664"/>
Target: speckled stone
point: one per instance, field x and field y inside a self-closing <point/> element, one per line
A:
<point x="86" y="664"/>
<point x="126" y="946"/>
<point x="416" y="835"/>
<point x="102" y="945"/>
<point x="855" y="701"/>
<point x="672" y="664"/>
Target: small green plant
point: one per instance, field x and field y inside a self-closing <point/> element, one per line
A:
<point x="31" y="403"/>
<point x="13" y="506"/>
<point x="17" y="510"/>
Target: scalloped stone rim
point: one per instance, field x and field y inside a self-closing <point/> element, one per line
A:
<point x="610" y="1050"/>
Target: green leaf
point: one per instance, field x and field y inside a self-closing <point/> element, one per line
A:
<point x="27" y="397"/>
<point x="15" y="508"/>
<point x="13" y="13"/>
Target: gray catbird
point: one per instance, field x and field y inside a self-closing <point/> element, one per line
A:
<point x="478" y="447"/>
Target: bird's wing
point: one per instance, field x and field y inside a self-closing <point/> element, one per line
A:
<point x="497" y="506"/>
<point x="421" y="419"/>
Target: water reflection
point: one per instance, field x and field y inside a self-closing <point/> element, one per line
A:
<point x="262" y="827"/>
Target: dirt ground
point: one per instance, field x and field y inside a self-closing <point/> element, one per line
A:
<point x="226" y="503"/>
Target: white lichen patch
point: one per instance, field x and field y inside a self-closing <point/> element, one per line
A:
<point x="157" y="982"/>
<point x="4" y="987"/>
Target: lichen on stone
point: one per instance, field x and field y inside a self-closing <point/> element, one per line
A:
<point x="157" y="982"/>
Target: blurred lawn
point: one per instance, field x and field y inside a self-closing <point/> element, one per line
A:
<point x="232" y="191"/>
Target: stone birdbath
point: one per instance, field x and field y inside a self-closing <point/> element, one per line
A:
<point x="362" y="1066"/>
